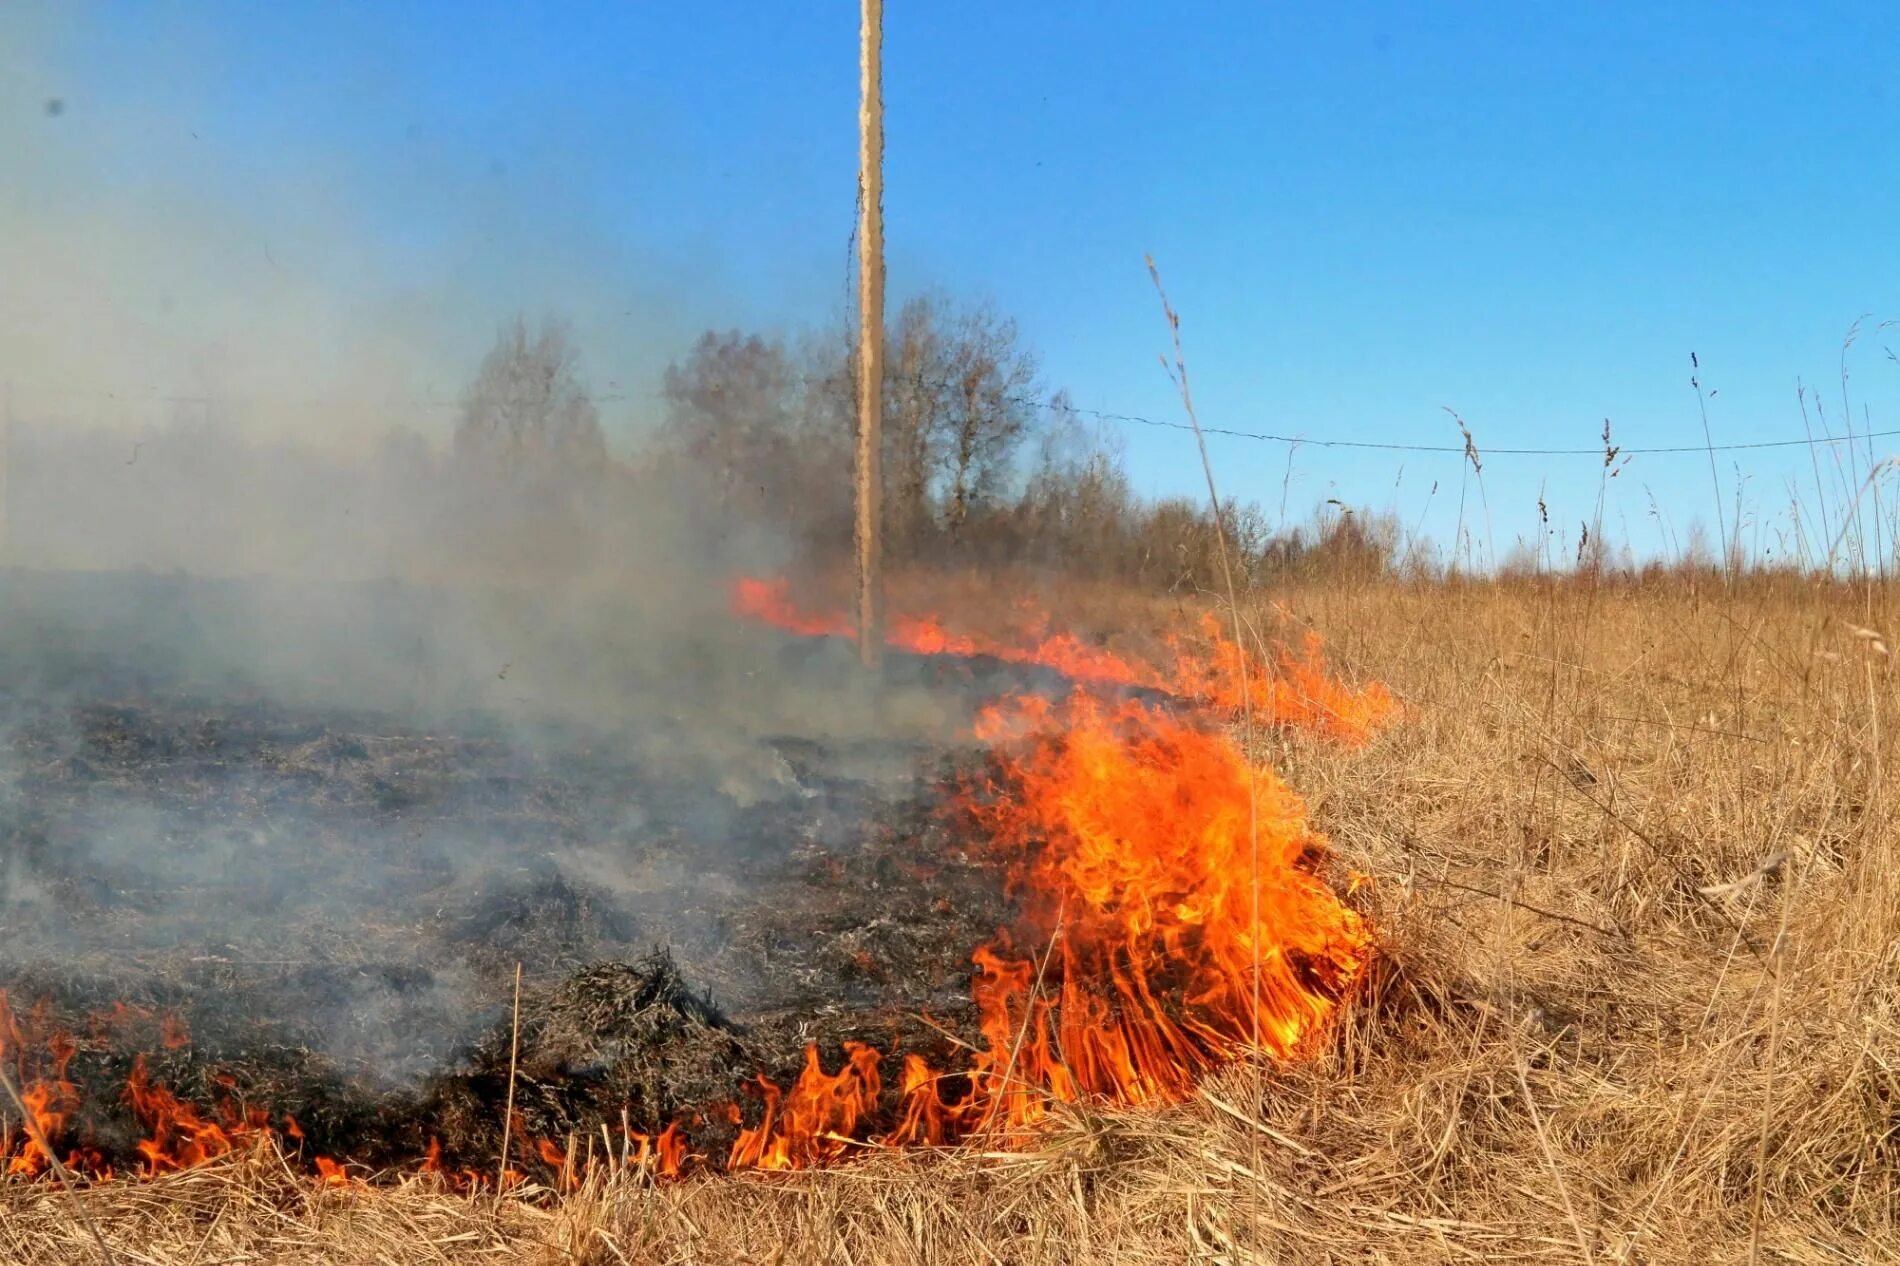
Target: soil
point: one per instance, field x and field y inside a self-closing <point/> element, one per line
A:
<point x="334" y="903"/>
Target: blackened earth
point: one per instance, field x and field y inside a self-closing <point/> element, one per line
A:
<point x="335" y="900"/>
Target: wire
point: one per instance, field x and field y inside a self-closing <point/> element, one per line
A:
<point x="1485" y="450"/>
<point x="1131" y="419"/>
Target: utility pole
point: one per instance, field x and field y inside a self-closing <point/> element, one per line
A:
<point x="870" y="490"/>
<point x="6" y="472"/>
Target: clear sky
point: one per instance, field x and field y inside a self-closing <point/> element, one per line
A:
<point x="1366" y="213"/>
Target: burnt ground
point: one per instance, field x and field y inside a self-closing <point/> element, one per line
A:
<point x="334" y="902"/>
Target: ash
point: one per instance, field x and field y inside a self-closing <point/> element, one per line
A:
<point x="330" y="875"/>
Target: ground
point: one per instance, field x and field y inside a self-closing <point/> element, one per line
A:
<point x="1635" y="878"/>
<point x="318" y="912"/>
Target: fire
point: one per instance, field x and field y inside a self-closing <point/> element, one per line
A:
<point x="1280" y="687"/>
<point x="1294" y="690"/>
<point x="332" y="1174"/>
<point x="770" y="601"/>
<point x="179" y="1136"/>
<point x="465" y="1180"/>
<point x="1171" y="915"/>
<point x="36" y="1059"/>
<point x="817" y="1121"/>
<point x="1130" y="836"/>
<point x="1154" y="860"/>
<point x="663" y="1153"/>
<point x="175" y="1134"/>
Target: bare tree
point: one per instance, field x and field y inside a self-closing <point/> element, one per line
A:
<point x="917" y="393"/>
<point x="527" y="412"/>
<point x="992" y="409"/>
<point x="1077" y="510"/>
<point x="729" y="412"/>
<point x="960" y="400"/>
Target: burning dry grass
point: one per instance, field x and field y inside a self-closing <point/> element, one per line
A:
<point x="1638" y="886"/>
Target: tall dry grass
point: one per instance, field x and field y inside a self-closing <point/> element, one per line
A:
<point x="1638" y="883"/>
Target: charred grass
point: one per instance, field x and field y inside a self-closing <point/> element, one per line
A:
<point x="1638" y="886"/>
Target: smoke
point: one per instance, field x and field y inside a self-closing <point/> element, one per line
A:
<point x="172" y="256"/>
<point x="146" y="278"/>
<point x="231" y="348"/>
<point x="235" y="353"/>
<point x="333" y="815"/>
<point x="296" y="715"/>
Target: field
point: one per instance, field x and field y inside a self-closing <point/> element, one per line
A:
<point x="1636" y="888"/>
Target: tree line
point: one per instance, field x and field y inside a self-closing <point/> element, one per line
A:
<point x="983" y="463"/>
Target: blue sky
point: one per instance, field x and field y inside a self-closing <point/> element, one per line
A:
<point x="1366" y="214"/>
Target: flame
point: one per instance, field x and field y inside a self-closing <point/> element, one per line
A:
<point x="1173" y="882"/>
<point x="1167" y="887"/>
<point x="664" y="1153"/>
<point x="176" y="1134"/>
<point x="465" y="1180"/>
<point x="770" y="601"/>
<point x="817" y="1121"/>
<point x="1171" y="916"/>
<point x="1280" y="687"/>
<point x="1129" y="837"/>
<point x="173" y="1035"/>
<point x="36" y="1058"/>
<point x="1294" y="690"/>
<point x="332" y="1174"/>
<point x="179" y="1136"/>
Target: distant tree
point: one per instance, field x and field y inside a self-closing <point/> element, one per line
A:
<point x="960" y="401"/>
<point x="729" y="412"/>
<point x="1178" y="539"/>
<point x="1358" y="543"/>
<point x="1521" y="561"/>
<point x="1698" y="555"/>
<point x="528" y="413"/>
<point x="992" y="409"/>
<point x="1077" y="509"/>
<point x="916" y="400"/>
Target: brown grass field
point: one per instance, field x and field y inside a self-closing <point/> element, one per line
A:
<point x="1638" y="897"/>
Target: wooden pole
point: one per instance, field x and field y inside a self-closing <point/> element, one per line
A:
<point x="6" y="473"/>
<point x="870" y="333"/>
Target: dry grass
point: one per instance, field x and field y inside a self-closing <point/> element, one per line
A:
<point x="1639" y="884"/>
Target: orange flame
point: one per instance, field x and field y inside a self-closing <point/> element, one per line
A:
<point x="1171" y="918"/>
<point x="1130" y="839"/>
<point x="818" y="1120"/>
<point x="1167" y="882"/>
<point x="38" y="1058"/>
<point x="179" y="1135"/>
<point x="333" y="1174"/>
<point x="770" y="601"/>
<point x="1160" y="865"/>
<point x="665" y="1153"/>
<point x="1286" y="688"/>
<point x="173" y="1035"/>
